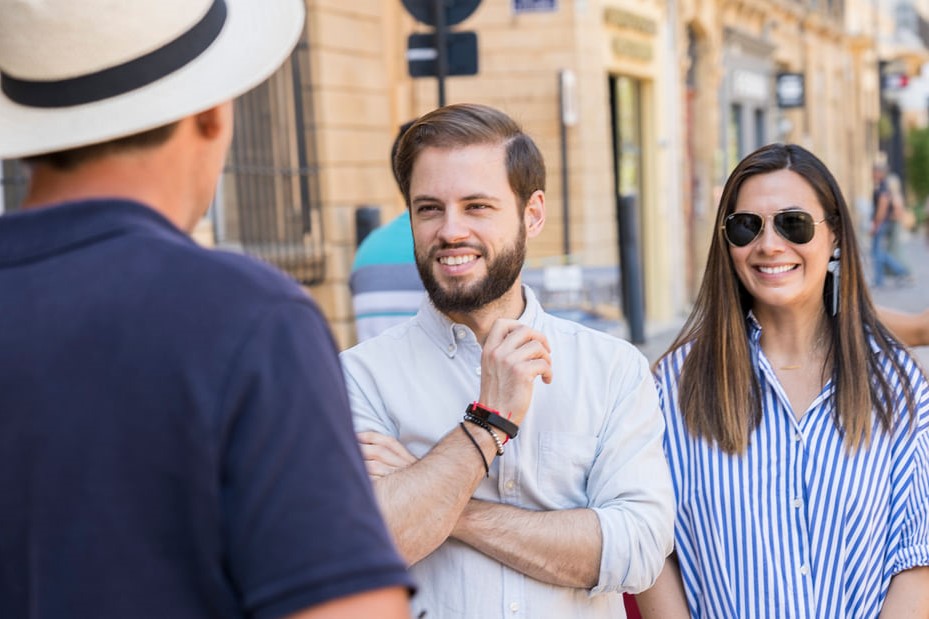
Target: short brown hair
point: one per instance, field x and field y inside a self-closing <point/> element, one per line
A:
<point x="72" y="158"/>
<point x="468" y="124"/>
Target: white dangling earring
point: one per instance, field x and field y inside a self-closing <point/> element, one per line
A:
<point x="833" y="268"/>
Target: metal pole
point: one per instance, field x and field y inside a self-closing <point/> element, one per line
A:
<point x="300" y="131"/>
<point x="441" y="61"/>
<point x="565" y="204"/>
<point x="367" y="219"/>
<point x="631" y="263"/>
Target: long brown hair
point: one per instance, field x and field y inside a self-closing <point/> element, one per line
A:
<point x="719" y="394"/>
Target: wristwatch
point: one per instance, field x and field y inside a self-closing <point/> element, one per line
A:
<point x="493" y="418"/>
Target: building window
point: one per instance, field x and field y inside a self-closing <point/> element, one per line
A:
<point x="760" y="129"/>
<point x="736" y="136"/>
<point x="268" y="203"/>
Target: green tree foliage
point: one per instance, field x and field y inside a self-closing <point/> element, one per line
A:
<point x="917" y="166"/>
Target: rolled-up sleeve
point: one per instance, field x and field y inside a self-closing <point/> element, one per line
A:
<point x="913" y="548"/>
<point x="630" y="486"/>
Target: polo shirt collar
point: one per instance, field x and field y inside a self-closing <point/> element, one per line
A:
<point x="31" y="234"/>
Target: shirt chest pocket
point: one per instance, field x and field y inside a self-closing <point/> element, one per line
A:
<point x="564" y="465"/>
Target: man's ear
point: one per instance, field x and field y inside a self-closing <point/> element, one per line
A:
<point x="212" y="122"/>
<point x="534" y="214"/>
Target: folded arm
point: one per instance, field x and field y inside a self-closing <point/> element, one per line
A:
<point x="421" y="500"/>
<point x="558" y="547"/>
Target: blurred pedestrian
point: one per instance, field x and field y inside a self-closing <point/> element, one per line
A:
<point x="175" y="437"/>
<point x="900" y="219"/>
<point x="883" y="230"/>
<point x="798" y="426"/>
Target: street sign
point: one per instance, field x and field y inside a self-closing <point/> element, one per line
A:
<point x="534" y="6"/>
<point x="790" y="90"/>
<point x="456" y="11"/>
<point x="461" y="54"/>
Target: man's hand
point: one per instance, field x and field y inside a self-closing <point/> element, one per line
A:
<point x="513" y="356"/>
<point x="383" y="454"/>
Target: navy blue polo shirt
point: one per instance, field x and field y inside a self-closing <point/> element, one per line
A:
<point x="175" y="438"/>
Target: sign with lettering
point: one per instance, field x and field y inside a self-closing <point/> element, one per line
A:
<point x="790" y="90"/>
<point x="534" y="6"/>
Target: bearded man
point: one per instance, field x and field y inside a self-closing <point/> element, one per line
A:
<point x="516" y="456"/>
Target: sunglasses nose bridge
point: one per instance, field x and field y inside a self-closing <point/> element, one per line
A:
<point x="770" y="234"/>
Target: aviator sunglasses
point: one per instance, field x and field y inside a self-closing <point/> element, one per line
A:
<point x="796" y="226"/>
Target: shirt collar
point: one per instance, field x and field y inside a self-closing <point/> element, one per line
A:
<point x="447" y="335"/>
<point x="30" y="234"/>
<point x="754" y="328"/>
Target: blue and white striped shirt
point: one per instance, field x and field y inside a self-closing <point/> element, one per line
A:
<point x="795" y="526"/>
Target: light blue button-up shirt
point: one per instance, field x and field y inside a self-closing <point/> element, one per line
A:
<point x="591" y="439"/>
<point x="795" y="526"/>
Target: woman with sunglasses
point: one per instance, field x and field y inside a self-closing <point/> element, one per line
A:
<point x="797" y="425"/>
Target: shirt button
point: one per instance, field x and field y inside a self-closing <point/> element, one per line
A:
<point x="510" y="484"/>
<point x="460" y="333"/>
<point x="477" y="370"/>
<point x="797" y="436"/>
<point x="797" y="503"/>
<point x="514" y="607"/>
<point x="804" y="570"/>
<point x="451" y="348"/>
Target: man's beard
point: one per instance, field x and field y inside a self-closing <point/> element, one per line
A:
<point x="502" y="272"/>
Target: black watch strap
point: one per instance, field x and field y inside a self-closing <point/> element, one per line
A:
<point x="493" y="418"/>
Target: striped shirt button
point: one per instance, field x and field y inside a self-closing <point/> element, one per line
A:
<point x="797" y="503"/>
<point x="804" y="569"/>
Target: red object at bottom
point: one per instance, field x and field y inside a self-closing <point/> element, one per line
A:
<point x="632" y="609"/>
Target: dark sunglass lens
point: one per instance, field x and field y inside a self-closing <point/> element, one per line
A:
<point x="742" y="228"/>
<point x="795" y="226"/>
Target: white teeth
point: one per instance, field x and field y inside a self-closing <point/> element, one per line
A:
<point x="774" y="270"/>
<point x="456" y="260"/>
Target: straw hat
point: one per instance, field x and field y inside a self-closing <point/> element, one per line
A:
<point x="74" y="73"/>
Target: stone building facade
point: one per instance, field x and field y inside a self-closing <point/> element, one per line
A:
<point x="639" y="106"/>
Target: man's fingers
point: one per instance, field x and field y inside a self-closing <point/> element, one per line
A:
<point x="387" y="456"/>
<point x="385" y="449"/>
<point x="378" y="469"/>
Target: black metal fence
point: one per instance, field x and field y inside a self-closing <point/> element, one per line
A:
<point x="269" y="203"/>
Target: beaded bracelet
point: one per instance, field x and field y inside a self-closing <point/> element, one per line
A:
<point x="480" y="422"/>
<point x="477" y="447"/>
